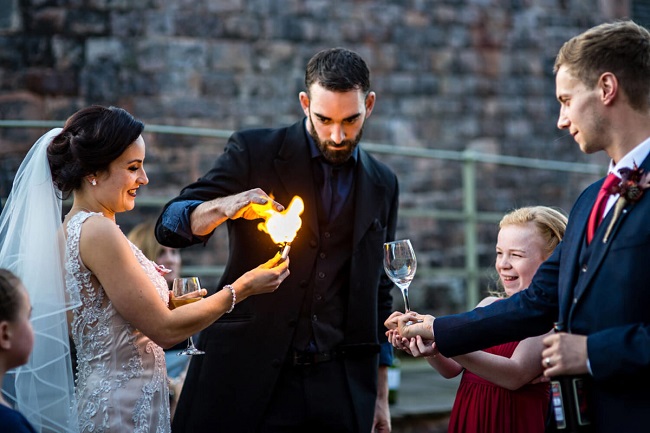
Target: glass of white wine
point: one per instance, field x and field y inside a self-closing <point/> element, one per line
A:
<point x="187" y="290"/>
<point x="400" y="265"/>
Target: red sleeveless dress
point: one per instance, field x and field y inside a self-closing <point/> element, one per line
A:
<point x="483" y="407"/>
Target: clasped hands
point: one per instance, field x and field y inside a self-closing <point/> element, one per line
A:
<point x="412" y="333"/>
<point x="563" y="353"/>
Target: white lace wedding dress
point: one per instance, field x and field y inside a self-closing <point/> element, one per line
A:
<point x="121" y="383"/>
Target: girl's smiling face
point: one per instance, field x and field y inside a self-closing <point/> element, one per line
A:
<point x="519" y="251"/>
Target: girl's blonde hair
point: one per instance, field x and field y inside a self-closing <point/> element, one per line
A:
<point x="550" y="224"/>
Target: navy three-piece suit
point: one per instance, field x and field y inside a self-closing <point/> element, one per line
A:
<point x="601" y="290"/>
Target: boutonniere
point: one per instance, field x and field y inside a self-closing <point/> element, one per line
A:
<point x="633" y="182"/>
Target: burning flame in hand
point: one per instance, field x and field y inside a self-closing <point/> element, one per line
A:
<point x="282" y="226"/>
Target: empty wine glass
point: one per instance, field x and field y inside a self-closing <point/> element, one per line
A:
<point x="187" y="290"/>
<point x="400" y="265"/>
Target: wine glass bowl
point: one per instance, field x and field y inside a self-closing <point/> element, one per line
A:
<point x="400" y="265"/>
<point x="187" y="290"/>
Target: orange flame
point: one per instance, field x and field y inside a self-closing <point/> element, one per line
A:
<point x="281" y="226"/>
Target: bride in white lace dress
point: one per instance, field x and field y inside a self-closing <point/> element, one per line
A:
<point x="121" y="320"/>
<point x="121" y="375"/>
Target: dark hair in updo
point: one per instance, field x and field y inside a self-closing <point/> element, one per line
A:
<point x="9" y="295"/>
<point x="91" y="139"/>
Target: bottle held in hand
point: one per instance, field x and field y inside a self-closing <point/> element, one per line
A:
<point x="570" y="400"/>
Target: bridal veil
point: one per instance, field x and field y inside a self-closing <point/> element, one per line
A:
<point x="31" y="246"/>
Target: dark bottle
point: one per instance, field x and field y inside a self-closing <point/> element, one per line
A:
<point x="570" y="400"/>
<point x="570" y="397"/>
<point x="394" y="379"/>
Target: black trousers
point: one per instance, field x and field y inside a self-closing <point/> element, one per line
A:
<point x="312" y="398"/>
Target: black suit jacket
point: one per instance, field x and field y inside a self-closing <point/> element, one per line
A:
<point x="611" y="305"/>
<point x="229" y="387"/>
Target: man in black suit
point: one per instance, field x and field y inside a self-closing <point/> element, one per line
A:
<point x="293" y="360"/>
<point x="595" y="286"/>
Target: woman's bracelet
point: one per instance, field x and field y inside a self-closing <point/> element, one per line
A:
<point x="234" y="297"/>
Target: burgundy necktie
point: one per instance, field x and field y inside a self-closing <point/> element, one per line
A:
<point x="596" y="215"/>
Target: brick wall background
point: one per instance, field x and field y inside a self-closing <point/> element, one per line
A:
<point x="449" y="74"/>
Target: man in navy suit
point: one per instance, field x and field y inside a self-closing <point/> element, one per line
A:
<point x="596" y="290"/>
<point x="294" y="360"/>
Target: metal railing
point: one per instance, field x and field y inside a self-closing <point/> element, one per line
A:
<point x="470" y="216"/>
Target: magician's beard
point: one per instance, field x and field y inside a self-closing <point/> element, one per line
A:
<point x="332" y="152"/>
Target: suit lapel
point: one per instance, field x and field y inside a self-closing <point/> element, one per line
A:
<point x="293" y="167"/>
<point x="578" y="218"/>
<point x="599" y="247"/>
<point x="368" y="184"/>
<point x="598" y="251"/>
<point x="572" y="247"/>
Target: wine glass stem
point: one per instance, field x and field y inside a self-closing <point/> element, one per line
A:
<point x="405" y="294"/>
<point x="190" y="343"/>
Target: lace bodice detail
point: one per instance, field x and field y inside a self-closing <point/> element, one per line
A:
<point x="121" y="381"/>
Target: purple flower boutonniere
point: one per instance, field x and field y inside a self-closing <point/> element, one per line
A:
<point x="631" y="187"/>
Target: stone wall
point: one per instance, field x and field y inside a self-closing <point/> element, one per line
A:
<point x="449" y="74"/>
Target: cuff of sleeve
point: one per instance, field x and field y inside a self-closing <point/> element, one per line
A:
<point x="386" y="354"/>
<point x="177" y="219"/>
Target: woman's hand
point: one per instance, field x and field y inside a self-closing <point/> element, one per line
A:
<point x="398" y="341"/>
<point x="265" y="278"/>
<point x="422" y="348"/>
<point x="416" y="347"/>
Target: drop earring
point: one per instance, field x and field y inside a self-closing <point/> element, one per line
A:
<point x="93" y="182"/>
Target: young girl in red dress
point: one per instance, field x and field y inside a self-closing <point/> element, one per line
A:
<point x="495" y="393"/>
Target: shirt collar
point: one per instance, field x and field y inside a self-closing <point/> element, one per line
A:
<point x="635" y="156"/>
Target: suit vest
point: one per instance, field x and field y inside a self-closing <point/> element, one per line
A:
<point x="323" y="313"/>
